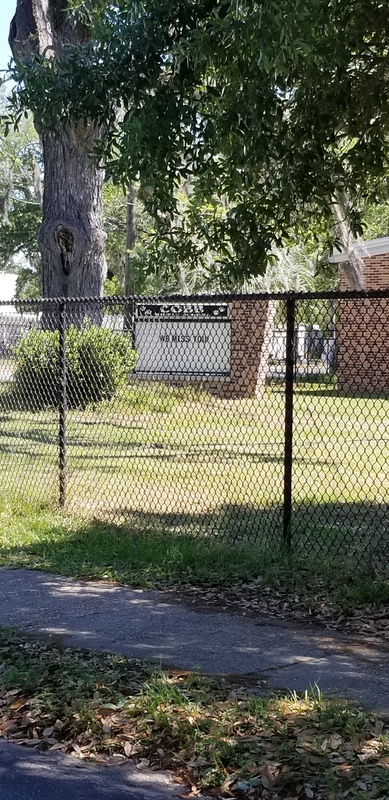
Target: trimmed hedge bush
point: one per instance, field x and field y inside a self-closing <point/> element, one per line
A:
<point x="98" y="364"/>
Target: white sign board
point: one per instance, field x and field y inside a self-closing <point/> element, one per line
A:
<point x="185" y="347"/>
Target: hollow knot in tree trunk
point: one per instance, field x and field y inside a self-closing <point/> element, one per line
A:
<point x="65" y="241"/>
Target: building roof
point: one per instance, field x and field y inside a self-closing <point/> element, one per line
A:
<point x="373" y="247"/>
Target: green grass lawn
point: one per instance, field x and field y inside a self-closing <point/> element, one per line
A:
<point x="215" y="734"/>
<point x="180" y="460"/>
<point x="170" y="486"/>
<point x="39" y="537"/>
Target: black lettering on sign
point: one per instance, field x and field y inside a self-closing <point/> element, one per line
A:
<point x="174" y="338"/>
<point x="182" y="310"/>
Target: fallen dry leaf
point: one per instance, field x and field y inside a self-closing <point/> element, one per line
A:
<point x="270" y="775"/>
<point x="335" y="741"/>
<point x="131" y="749"/>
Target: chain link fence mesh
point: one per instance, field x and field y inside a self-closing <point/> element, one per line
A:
<point x="261" y="418"/>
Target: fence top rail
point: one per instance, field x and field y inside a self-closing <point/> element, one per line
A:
<point x="40" y="302"/>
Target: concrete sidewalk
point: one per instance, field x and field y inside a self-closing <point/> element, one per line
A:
<point x="150" y="624"/>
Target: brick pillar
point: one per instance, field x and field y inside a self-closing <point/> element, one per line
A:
<point x="251" y="336"/>
<point x="363" y="334"/>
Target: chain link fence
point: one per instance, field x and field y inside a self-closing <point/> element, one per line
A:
<point x="247" y="417"/>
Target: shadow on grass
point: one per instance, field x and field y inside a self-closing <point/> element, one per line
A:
<point x="349" y="531"/>
<point x="318" y="386"/>
<point x="81" y="450"/>
<point x="109" y="455"/>
<point x="235" y="542"/>
<point x="333" y="391"/>
<point x="145" y="550"/>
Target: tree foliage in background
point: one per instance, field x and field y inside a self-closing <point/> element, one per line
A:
<point x="182" y="260"/>
<point x="20" y="196"/>
<point x="297" y="269"/>
<point x="278" y="106"/>
<point x="376" y="220"/>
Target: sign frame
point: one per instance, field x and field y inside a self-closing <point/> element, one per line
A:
<point x="190" y="316"/>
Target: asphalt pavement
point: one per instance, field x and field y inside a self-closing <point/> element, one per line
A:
<point x="151" y="624"/>
<point x="27" y="775"/>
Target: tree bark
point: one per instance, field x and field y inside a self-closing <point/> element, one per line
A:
<point x="129" y="283"/>
<point x="353" y="268"/>
<point x="71" y="239"/>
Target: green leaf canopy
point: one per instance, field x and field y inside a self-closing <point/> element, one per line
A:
<point x="272" y="105"/>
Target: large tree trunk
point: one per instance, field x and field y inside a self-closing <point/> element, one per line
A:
<point x="71" y="239"/>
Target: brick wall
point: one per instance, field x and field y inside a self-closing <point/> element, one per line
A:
<point x="376" y="273"/>
<point x="251" y="336"/>
<point x="363" y="334"/>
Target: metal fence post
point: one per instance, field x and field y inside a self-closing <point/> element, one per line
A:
<point x="288" y="445"/>
<point x="62" y="402"/>
<point x="129" y="317"/>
